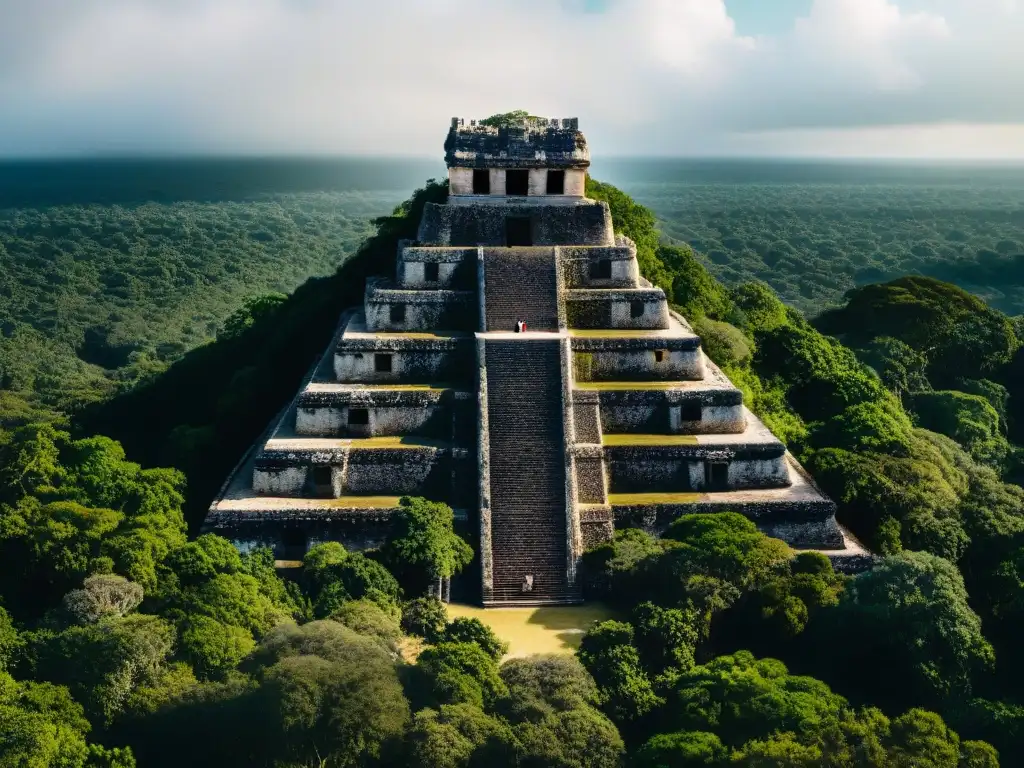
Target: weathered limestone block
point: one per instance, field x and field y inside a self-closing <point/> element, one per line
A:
<point x="550" y="143"/>
<point x="656" y="358"/>
<point x="399" y="472"/>
<point x="622" y="308"/>
<point x="587" y="417"/>
<point x="280" y="481"/>
<point x="674" y="411"/>
<point x="419" y="470"/>
<point x="591" y="484"/>
<point x="584" y="223"/>
<point x="600" y="266"/>
<point x="330" y="411"/>
<point x="597" y="525"/>
<point x="379" y="421"/>
<point x="421" y="268"/>
<point x="687" y="468"/>
<point x="403" y="360"/>
<point x="390" y="309"/>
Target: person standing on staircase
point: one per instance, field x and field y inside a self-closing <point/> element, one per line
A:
<point x="519" y="326"/>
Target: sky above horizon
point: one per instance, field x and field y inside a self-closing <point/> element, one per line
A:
<point x="790" y="78"/>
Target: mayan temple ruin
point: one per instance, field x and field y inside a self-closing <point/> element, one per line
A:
<point x="605" y="412"/>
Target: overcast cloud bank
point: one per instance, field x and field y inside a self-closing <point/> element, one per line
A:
<point x="853" y="77"/>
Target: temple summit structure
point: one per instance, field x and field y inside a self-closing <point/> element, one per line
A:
<point x="605" y="412"/>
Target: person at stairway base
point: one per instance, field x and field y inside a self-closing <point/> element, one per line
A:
<point x="528" y="583"/>
<point x="520" y="326"/>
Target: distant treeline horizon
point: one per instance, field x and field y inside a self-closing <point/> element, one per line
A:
<point x="126" y="180"/>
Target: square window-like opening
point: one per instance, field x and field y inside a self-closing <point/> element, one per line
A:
<point x="431" y="272"/>
<point x="718" y="475"/>
<point x="358" y="417"/>
<point x="636" y="308"/>
<point x="481" y="182"/>
<point x="659" y="355"/>
<point x="322" y="476"/>
<point x="517" y="183"/>
<point x="691" y="412"/>
<point x="601" y="269"/>
<point x="382" y="363"/>
<point x="518" y="231"/>
<point x="294" y="538"/>
<point x="397" y="313"/>
<point x="556" y="182"/>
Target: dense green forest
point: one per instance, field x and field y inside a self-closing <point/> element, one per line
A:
<point x="812" y="242"/>
<point x="93" y="298"/>
<point x="119" y="630"/>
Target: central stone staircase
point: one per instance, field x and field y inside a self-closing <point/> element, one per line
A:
<point x="527" y="472"/>
<point x="522" y="283"/>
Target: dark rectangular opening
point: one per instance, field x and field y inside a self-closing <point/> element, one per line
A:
<point x="358" y="417"/>
<point x="601" y="269"/>
<point x="517" y="183"/>
<point x="398" y="313"/>
<point x="659" y="355"/>
<point x="294" y="539"/>
<point x="691" y="412"/>
<point x="518" y="231"/>
<point x="481" y="182"/>
<point x="382" y="363"/>
<point x="431" y="272"/>
<point x="556" y="182"/>
<point x="322" y="477"/>
<point x="636" y="308"/>
<point x="718" y="475"/>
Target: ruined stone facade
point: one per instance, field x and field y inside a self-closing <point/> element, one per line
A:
<point x="605" y="412"/>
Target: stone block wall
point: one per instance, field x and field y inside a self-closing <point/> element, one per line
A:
<point x="419" y="310"/>
<point x="597" y="525"/>
<point x="591" y="482"/>
<point x="407" y="365"/>
<point x="640" y="309"/>
<point x="715" y="419"/>
<point x="280" y="481"/>
<point x="661" y="412"/>
<point x="587" y="417"/>
<point x="473" y="225"/>
<point x="460" y="184"/>
<point x="363" y="472"/>
<point x="456" y="268"/>
<point x="429" y="421"/>
<point x="582" y="267"/>
<point x="639" y="364"/>
<point x="660" y="471"/>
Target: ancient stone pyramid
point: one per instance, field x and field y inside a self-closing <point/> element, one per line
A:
<point x="604" y="412"/>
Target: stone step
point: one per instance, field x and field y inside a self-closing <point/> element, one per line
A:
<point x="520" y="283"/>
<point x="527" y="469"/>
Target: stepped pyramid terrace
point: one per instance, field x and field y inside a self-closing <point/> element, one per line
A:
<point x="604" y="412"/>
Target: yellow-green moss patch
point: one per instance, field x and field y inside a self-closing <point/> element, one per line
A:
<point x="618" y="386"/>
<point x="395" y="441"/>
<point x="646" y="499"/>
<point x="364" y="502"/>
<point x="652" y="440"/>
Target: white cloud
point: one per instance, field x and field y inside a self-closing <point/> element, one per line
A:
<point x="649" y="76"/>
